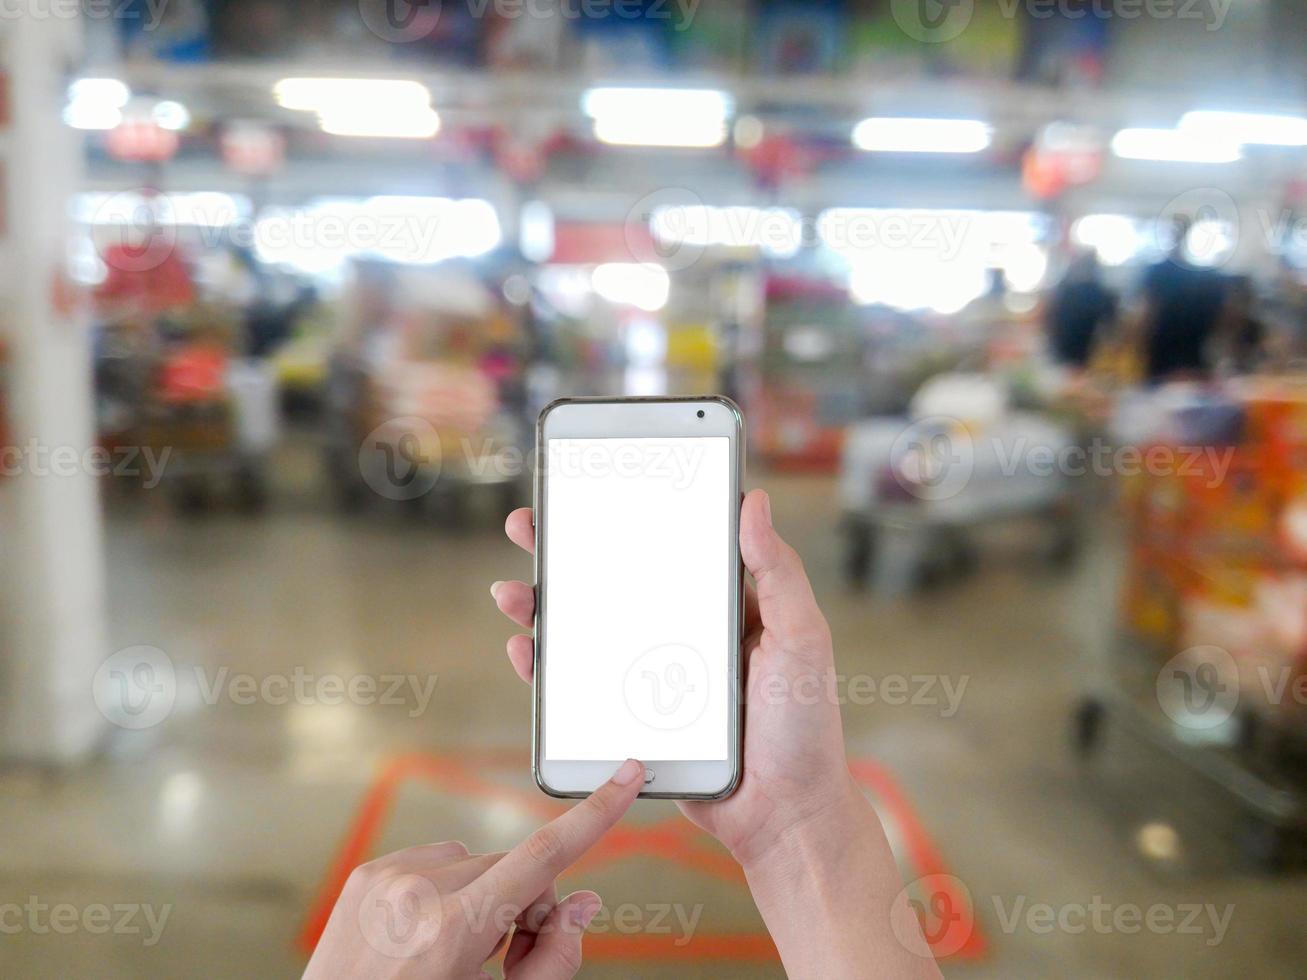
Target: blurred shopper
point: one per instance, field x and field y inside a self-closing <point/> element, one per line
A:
<point x="1239" y="343"/>
<point x="1182" y="305"/>
<point x="1081" y="311"/>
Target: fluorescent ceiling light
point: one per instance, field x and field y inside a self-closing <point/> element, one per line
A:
<point x="911" y="281"/>
<point x="312" y="94"/>
<point x="1174" y="146"/>
<point x="658" y="116"/>
<point x="889" y="134"/>
<point x="1247" y="127"/>
<point x="202" y="209"/>
<point x="371" y="107"/>
<point x="96" y="103"/>
<point x="393" y="122"/>
<point x="639" y="284"/>
<point x="1117" y="238"/>
<point x="107" y="91"/>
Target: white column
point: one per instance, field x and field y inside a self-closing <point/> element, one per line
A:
<point x="52" y="633"/>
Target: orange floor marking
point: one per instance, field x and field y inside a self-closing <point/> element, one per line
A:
<point x="674" y="840"/>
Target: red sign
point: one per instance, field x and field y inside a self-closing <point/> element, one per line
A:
<point x="142" y="140"/>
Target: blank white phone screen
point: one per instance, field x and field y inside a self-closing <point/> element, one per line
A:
<point x="637" y="611"/>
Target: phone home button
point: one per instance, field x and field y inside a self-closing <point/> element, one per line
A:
<point x="648" y="776"/>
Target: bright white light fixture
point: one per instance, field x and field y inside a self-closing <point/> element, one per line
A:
<point x="1264" y="129"/>
<point x="1117" y="238"/>
<point x="321" y="237"/>
<point x="96" y="103"/>
<point x="171" y="115"/>
<point x="643" y="285"/>
<point x="200" y="209"/>
<point x="915" y="281"/>
<point x="311" y="94"/>
<point x="368" y="107"/>
<point x="658" y="116"/>
<point x="891" y="134"/>
<point x="1024" y="267"/>
<point x="1175" y="146"/>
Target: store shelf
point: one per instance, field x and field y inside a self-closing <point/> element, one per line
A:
<point x="1008" y="105"/>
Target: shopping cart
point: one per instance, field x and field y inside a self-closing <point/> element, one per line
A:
<point x="211" y="420"/>
<point x="914" y="490"/>
<point x="1206" y="662"/>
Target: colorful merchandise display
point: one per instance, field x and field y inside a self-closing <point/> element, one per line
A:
<point x="1218" y="536"/>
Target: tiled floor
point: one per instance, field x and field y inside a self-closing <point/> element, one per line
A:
<point x="228" y="814"/>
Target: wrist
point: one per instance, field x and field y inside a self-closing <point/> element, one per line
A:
<point x="816" y="834"/>
<point x="826" y="887"/>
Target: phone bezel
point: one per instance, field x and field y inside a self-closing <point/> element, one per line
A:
<point x="615" y="417"/>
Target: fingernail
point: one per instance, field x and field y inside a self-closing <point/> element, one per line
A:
<point x="584" y="911"/>
<point x="628" y="773"/>
<point x="494" y="589"/>
<point x="766" y="508"/>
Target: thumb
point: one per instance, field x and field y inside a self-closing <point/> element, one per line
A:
<point x="556" y="954"/>
<point x="786" y="605"/>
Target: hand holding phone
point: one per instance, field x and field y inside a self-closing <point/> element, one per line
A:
<point x="793" y="755"/>
<point x="815" y="856"/>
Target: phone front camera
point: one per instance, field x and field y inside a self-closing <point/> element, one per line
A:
<point x="699" y="413"/>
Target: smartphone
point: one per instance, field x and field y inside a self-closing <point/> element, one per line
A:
<point x="639" y="591"/>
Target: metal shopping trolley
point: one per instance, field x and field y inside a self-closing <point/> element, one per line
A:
<point x="915" y="489"/>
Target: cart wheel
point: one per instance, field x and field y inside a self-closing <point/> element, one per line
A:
<point x="1087" y="726"/>
<point x="190" y="496"/>
<point x="859" y="544"/>
<point x="347" y="486"/>
<point x="1065" y="548"/>
<point x="251" y="489"/>
<point x="1264" y="846"/>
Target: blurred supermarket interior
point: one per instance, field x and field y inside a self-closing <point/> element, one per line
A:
<point x="1013" y="295"/>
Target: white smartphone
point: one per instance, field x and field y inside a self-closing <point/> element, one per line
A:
<point x="639" y="592"/>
